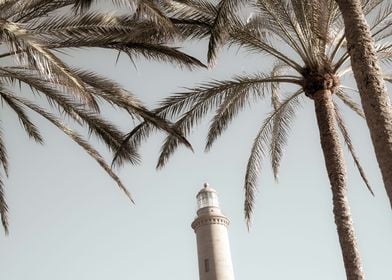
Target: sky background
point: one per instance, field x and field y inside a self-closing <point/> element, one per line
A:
<point x="70" y="221"/>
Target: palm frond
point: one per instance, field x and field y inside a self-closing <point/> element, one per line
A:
<point x="53" y="92"/>
<point x="235" y="101"/>
<point x="98" y="29"/>
<point x="255" y="43"/>
<point x="114" y="94"/>
<point x="388" y="78"/>
<point x="3" y="154"/>
<point x="75" y="137"/>
<point x="278" y="69"/>
<point x="347" y="139"/>
<point x="22" y="11"/>
<point x="29" y="127"/>
<point x="27" y="11"/>
<point x="184" y="125"/>
<point x="202" y="99"/>
<point x="164" y="125"/>
<point x="258" y="152"/>
<point x="39" y="57"/>
<point x="108" y="90"/>
<point x="349" y="102"/>
<point x="191" y="9"/>
<point x="33" y="33"/>
<point x="193" y="19"/>
<point x="337" y="43"/>
<point x="3" y="208"/>
<point x="122" y="33"/>
<point x="280" y="129"/>
<point x="66" y="26"/>
<point x="6" y="7"/>
<point x="171" y="106"/>
<point x="105" y="131"/>
<point x="384" y="52"/>
<point x="220" y="28"/>
<point x="380" y="26"/>
<point x="369" y="5"/>
<point x="230" y="107"/>
<point x="279" y="12"/>
<point x="84" y="5"/>
<point x="3" y="203"/>
<point x="315" y="23"/>
<point x="192" y="29"/>
<point x="152" y="10"/>
<point x="213" y="93"/>
<point x="159" y="53"/>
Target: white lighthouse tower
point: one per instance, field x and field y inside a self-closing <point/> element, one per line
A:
<point x="213" y="246"/>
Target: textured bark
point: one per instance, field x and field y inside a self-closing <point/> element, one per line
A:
<point x="334" y="161"/>
<point x="368" y="75"/>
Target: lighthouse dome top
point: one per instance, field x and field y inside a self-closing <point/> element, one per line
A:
<point x="207" y="197"/>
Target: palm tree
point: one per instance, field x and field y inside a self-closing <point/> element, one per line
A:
<point x="31" y="34"/>
<point x="369" y="78"/>
<point x="314" y="67"/>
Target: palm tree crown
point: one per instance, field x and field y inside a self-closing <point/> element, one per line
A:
<point x="317" y="60"/>
<point x="31" y="34"/>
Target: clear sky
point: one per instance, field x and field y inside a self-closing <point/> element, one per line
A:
<point x="70" y="221"/>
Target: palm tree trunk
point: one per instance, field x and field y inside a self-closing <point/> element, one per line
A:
<point x="374" y="96"/>
<point x="334" y="161"/>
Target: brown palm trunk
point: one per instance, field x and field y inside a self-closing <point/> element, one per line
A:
<point x="374" y="97"/>
<point x="334" y="161"/>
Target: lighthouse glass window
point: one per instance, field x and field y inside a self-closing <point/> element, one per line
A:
<point x="207" y="199"/>
<point x="206" y="265"/>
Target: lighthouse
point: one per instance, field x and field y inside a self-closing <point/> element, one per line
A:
<point x="213" y="248"/>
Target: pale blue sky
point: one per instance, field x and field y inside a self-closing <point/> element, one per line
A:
<point x="69" y="220"/>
